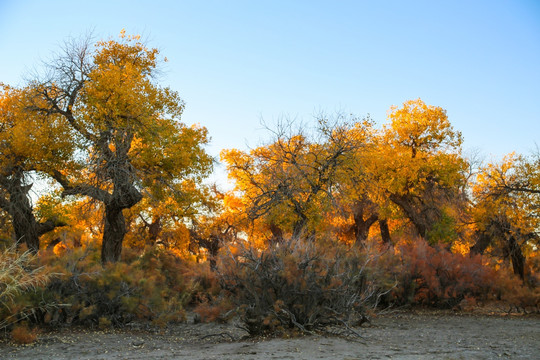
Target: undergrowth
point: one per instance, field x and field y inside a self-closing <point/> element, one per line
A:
<point x="298" y="285"/>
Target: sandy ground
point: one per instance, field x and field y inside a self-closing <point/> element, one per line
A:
<point x="397" y="336"/>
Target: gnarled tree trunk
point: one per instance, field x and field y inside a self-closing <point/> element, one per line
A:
<point x="362" y="226"/>
<point x="113" y="234"/>
<point x="365" y="215"/>
<point x="501" y="230"/>
<point x="25" y="226"/>
<point x="421" y="215"/>
<point x="124" y="196"/>
<point x="277" y="232"/>
<point x="24" y="223"/>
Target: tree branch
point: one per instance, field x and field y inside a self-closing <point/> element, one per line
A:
<point x="81" y="189"/>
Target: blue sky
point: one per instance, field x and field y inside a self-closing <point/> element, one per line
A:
<point x="237" y="62"/>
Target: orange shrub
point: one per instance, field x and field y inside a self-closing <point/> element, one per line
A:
<point x="205" y="287"/>
<point x="517" y="295"/>
<point x="434" y="276"/>
<point x="21" y="334"/>
<point x="215" y="311"/>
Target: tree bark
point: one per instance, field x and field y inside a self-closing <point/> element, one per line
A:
<point x="113" y="234"/>
<point x="213" y="250"/>
<point x="385" y="232"/>
<point x="19" y="208"/>
<point x="361" y="227"/>
<point x="154" y="230"/>
<point x="406" y="204"/>
<point x="277" y="233"/>
<point x="517" y="257"/>
<point x="124" y="196"/>
<point x="25" y="228"/>
<point x="211" y="243"/>
<point x="299" y="226"/>
<point x="501" y="230"/>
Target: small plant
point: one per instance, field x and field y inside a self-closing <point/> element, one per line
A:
<point x="215" y="311"/>
<point x="22" y="334"/>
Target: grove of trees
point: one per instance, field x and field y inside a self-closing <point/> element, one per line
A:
<point x="410" y="177"/>
<point x="94" y="154"/>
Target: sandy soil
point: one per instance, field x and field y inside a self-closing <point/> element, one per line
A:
<point x="397" y="336"/>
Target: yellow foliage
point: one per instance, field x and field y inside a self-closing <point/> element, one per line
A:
<point x="31" y="141"/>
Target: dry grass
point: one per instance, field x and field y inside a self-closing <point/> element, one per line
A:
<point x="17" y="275"/>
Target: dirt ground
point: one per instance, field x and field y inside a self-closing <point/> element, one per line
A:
<point x="396" y="336"/>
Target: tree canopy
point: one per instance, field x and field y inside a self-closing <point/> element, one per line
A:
<point x="124" y="128"/>
<point x="109" y="139"/>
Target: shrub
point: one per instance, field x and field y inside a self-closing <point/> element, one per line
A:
<point x="216" y="310"/>
<point x="520" y="296"/>
<point x="300" y="285"/>
<point x="21" y="334"/>
<point x="209" y="300"/>
<point x="146" y="286"/>
<point x="205" y="287"/>
<point x="18" y="275"/>
<point x="436" y="277"/>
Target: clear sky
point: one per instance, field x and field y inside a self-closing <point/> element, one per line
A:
<point x="237" y="62"/>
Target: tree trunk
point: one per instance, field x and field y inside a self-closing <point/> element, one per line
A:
<point x="361" y="227"/>
<point x="481" y="244"/>
<point x="213" y="250"/>
<point x="19" y="207"/>
<point x="516" y="255"/>
<point x="113" y="234"/>
<point x="154" y="230"/>
<point x="414" y="215"/>
<point x="25" y="227"/>
<point x="277" y="233"/>
<point x="299" y="227"/>
<point x="125" y="195"/>
<point x="385" y="232"/>
<point x="502" y="230"/>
